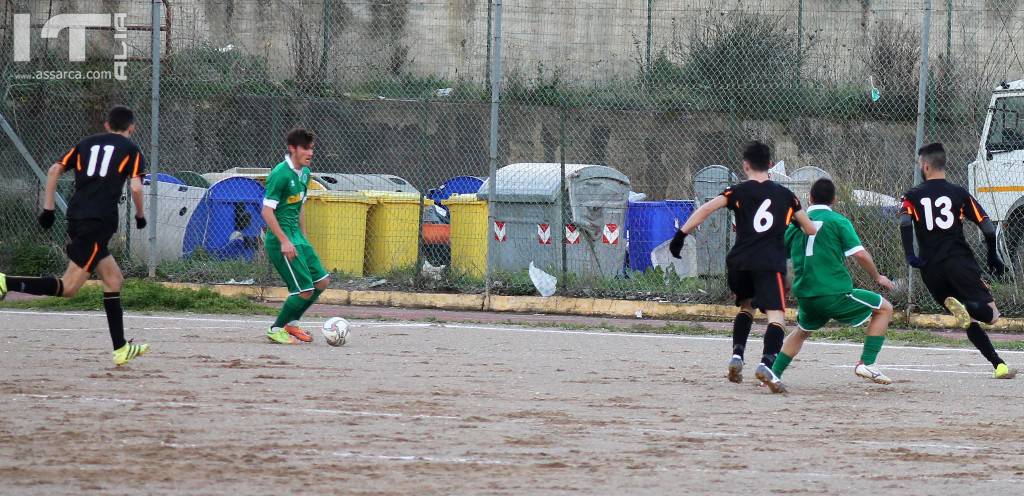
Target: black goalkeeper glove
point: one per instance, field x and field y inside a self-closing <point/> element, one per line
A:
<point x="996" y="266"/>
<point x="46" y="218"/>
<point x="140" y="223"/>
<point x="916" y="262"/>
<point x="676" y="246"/>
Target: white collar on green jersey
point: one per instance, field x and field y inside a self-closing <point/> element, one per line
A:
<point x="291" y="166"/>
<point x="818" y="207"/>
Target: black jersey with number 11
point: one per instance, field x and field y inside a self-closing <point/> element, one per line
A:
<point x="763" y="211"/>
<point x="102" y="163"/>
<point x="938" y="208"/>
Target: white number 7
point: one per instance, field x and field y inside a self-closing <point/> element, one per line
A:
<point x="809" y="252"/>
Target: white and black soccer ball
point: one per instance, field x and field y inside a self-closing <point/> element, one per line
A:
<point x="335" y="331"/>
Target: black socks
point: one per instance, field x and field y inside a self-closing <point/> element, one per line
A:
<point x="740" y="332"/>
<point x="41" y="286"/>
<point x="115" y="318"/>
<point x="773" y="338"/>
<point x="981" y="341"/>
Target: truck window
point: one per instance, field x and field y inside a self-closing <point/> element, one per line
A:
<point x="1007" y="130"/>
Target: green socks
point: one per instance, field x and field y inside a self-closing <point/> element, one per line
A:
<point x="310" y="302"/>
<point x="291" y="310"/>
<point x="781" y="362"/>
<point x="872" y="345"/>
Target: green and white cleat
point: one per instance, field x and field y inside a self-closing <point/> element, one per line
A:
<point x="959" y="311"/>
<point x="870" y="373"/>
<point x="129" y="352"/>
<point x="1004" y="372"/>
<point x="280" y="336"/>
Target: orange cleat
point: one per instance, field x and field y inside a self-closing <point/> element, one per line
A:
<point x="296" y="331"/>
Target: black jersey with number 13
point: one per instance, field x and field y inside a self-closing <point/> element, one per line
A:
<point x="938" y="208"/>
<point x="102" y="163"/>
<point x="763" y="210"/>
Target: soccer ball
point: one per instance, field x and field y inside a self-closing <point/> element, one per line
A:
<point x="335" y="331"/>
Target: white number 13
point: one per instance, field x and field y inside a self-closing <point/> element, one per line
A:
<point x="945" y="207"/>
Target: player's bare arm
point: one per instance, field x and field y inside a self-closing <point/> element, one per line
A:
<point x="695" y="220"/>
<point x="867" y="262"/>
<point x="287" y="248"/>
<point x="805" y="223"/>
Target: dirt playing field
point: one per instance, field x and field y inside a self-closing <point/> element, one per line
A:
<point x="424" y="408"/>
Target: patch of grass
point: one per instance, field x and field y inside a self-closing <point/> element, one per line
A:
<point x="146" y="296"/>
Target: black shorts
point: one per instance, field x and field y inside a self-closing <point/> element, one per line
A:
<point x="88" y="242"/>
<point x="956" y="277"/>
<point x="764" y="287"/>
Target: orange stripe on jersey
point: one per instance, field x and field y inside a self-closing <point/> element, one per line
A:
<point x="135" y="171"/>
<point x="78" y="166"/>
<point x="977" y="214"/>
<point x="782" y="291"/>
<point x="64" y="161"/>
<point x="124" y="162"/>
<point x="789" y="215"/>
<point x="95" y="250"/>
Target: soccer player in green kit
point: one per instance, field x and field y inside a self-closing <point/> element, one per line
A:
<point x="287" y="247"/>
<point x="824" y="289"/>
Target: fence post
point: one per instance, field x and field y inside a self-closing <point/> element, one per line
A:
<point x="650" y="35"/>
<point x="154" y="138"/>
<point x="562" y="142"/>
<point x="922" y="93"/>
<point x="492" y="177"/>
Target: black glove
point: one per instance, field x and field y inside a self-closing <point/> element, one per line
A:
<point x="140" y="223"/>
<point x="996" y="266"/>
<point x="46" y="219"/>
<point x="916" y="262"/>
<point x="676" y="246"/>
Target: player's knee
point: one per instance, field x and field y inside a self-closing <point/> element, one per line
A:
<point x="982" y="312"/>
<point x="322" y="284"/>
<point x="305" y="295"/>
<point x="885" y="309"/>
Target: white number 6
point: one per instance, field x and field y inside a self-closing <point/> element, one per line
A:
<point x="763" y="219"/>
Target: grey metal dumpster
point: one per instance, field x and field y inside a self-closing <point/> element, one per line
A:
<point x="365" y="182"/>
<point x="530" y="226"/>
<point x="713" y="238"/>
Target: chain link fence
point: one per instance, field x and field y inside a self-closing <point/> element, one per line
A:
<point x="616" y="120"/>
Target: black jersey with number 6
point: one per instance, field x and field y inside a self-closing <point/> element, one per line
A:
<point x="102" y="163"/>
<point x="938" y="208"/>
<point x="763" y="211"/>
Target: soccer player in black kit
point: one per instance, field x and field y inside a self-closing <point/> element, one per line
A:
<point x="935" y="210"/>
<point x="756" y="265"/>
<point x="101" y="163"/>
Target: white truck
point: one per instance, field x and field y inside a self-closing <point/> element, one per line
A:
<point x="996" y="177"/>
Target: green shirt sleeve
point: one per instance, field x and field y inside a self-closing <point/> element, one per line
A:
<point x="274" y="188"/>
<point x="791" y="233"/>
<point x="848" y="238"/>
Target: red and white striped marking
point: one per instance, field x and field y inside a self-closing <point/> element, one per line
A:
<point x="544" y="234"/>
<point x="572" y="235"/>
<point x="500" y="234"/>
<point x="610" y="234"/>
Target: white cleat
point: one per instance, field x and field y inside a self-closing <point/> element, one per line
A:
<point x="768" y="378"/>
<point x="870" y="373"/>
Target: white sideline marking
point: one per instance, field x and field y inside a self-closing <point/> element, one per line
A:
<point x="513" y="328"/>
<point x="243" y="406"/>
<point x="416" y="458"/>
<point x="931" y="371"/>
<point x="925" y="445"/>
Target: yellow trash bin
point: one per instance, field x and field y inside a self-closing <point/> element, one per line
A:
<point x="469" y="234"/>
<point x="392" y="231"/>
<point x="336" y="227"/>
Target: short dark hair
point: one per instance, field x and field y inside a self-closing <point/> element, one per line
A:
<point x="758" y="155"/>
<point x="823" y="191"/>
<point x="934" y="155"/>
<point x="120" y="118"/>
<point x="300" y="137"/>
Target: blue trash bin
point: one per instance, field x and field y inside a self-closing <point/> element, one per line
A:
<point x="651" y="223"/>
<point x="458" y="185"/>
<point x="228" y="223"/>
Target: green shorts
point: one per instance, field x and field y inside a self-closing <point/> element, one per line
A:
<point x="852" y="309"/>
<point x="301" y="272"/>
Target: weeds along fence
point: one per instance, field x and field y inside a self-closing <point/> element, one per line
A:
<point x="660" y="95"/>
